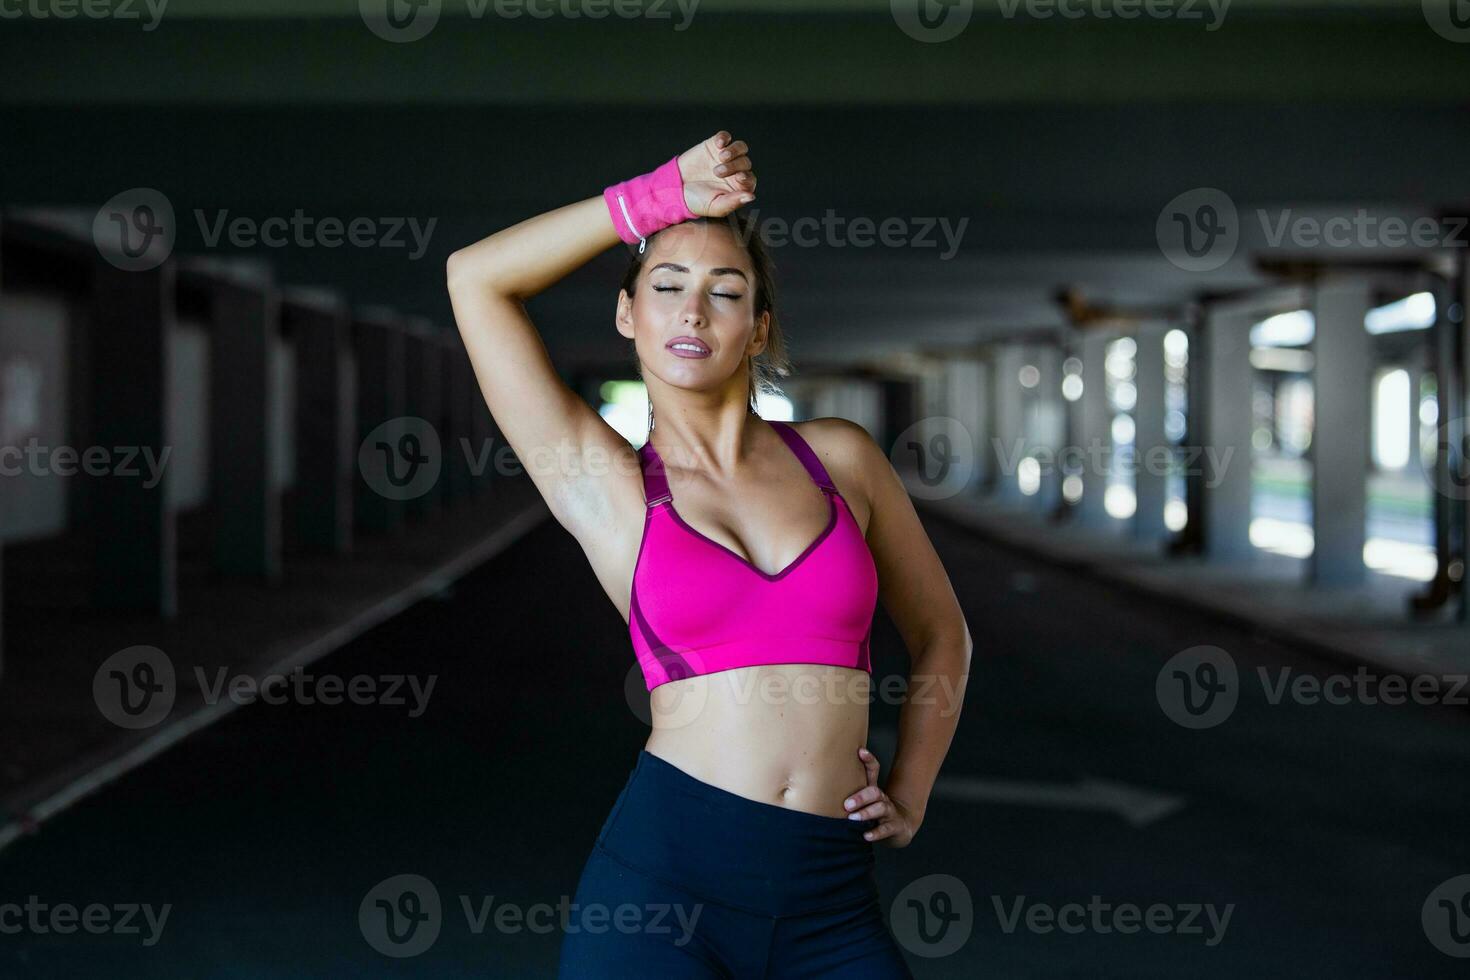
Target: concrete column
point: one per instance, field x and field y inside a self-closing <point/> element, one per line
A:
<point x="378" y="342"/>
<point x="1150" y="443"/>
<point x="326" y="421"/>
<point x="1460" y="399"/>
<point x="1046" y="410"/>
<point x="243" y="500"/>
<point x="1226" y="429"/>
<point x="965" y="384"/>
<point x="1094" y="429"/>
<point x="1008" y="439"/>
<point x="424" y="398"/>
<point x="134" y="530"/>
<point x="1415" y="370"/>
<point x="459" y="386"/>
<point x="1341" y="446"/>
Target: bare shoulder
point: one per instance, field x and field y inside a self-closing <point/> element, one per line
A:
<point x="850" y="454"/>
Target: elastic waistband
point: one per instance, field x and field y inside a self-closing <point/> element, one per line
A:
<point x="725" y="848"/>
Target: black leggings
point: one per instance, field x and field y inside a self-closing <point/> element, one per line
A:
<point x="687" y="880"/>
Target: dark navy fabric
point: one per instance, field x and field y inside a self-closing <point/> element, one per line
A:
<point x="718" y="885"/>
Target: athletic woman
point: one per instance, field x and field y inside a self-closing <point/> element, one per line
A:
<point x="747" y="557"/>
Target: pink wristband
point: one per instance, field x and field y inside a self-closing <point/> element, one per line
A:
<point x="648" y="203"/>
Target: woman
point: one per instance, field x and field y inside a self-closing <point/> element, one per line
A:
<point x="744" y="837"/>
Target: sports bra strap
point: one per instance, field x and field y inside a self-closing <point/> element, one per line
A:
<point x="806" y="454"/>
<point x="655" y="480"/>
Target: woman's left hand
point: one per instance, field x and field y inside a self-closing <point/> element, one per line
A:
<point x="898" y="824"/>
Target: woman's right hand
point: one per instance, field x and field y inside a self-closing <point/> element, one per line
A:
<point x="717" y="175"/>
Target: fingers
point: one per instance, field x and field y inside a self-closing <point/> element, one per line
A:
<point x="738" y="165"/>
<point x="733" y="150"/>
<point x="863" y="797"/>
<point x="877" y="810"/>
<point x="870" y="763"/>
<point x="887" y="828"/>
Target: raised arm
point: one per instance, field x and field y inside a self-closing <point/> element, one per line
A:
<point x="577" y="461"/>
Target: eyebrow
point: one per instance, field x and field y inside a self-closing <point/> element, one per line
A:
<point x="722" y="271"/>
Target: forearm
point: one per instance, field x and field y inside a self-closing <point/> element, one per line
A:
<point x="928" y="719"/>
<point x="526" y="258"/>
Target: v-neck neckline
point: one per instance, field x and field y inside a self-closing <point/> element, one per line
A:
<point x="795" y="562"/>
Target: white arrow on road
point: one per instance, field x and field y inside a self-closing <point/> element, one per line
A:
<point x="1140" y="807"/>
<point x="1137" y="805"/>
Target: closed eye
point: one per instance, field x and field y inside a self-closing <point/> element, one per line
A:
<point x="676" y="289"/>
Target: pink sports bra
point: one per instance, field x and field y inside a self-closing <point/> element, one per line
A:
<point x="697" y="607"/>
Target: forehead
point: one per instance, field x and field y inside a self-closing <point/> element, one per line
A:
<point x="700" y="247"/>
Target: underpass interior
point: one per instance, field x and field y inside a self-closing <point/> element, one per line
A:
<point x="1157" y="312"/>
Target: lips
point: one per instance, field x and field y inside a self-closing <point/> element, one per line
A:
<point x="688" y="347"/>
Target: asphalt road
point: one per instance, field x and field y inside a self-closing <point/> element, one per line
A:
<point x="1087" y="833"/>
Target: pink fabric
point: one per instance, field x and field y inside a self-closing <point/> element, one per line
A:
<point x="653" y="201"/>
<point x="698" y="607"/>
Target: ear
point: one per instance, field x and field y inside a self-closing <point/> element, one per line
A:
<point x="623" y="315"/>
<point x="761" y="335"/>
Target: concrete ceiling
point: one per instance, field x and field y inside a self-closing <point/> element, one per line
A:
<point x="1057" y="144"/>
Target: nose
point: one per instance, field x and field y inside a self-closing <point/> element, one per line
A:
<point x="692" y="316"/>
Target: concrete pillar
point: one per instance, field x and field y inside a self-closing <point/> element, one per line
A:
<point x="378" y="343"/>
<point x="424" y="398"/>
<point x="459" y="387"/>
<point x="1226" y="428"/>
<point x="1094" y="429"/>
<point x="134" y="530"/>
<point x="1415" y="370"/>
<point x="1460" y="399"/>
<point x="1151" y="445"/>
<point x="854" y="399"/>
<point x="1341" y="436"/>
<point x="1045" y="426"/>
<point x="244" y="502"/>
<point x="965" y="389"/>
<point x="1008" y="438"/>
<point x="326" y="420"/>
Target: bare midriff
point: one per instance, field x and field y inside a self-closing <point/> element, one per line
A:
<point x="785" y="734"/>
